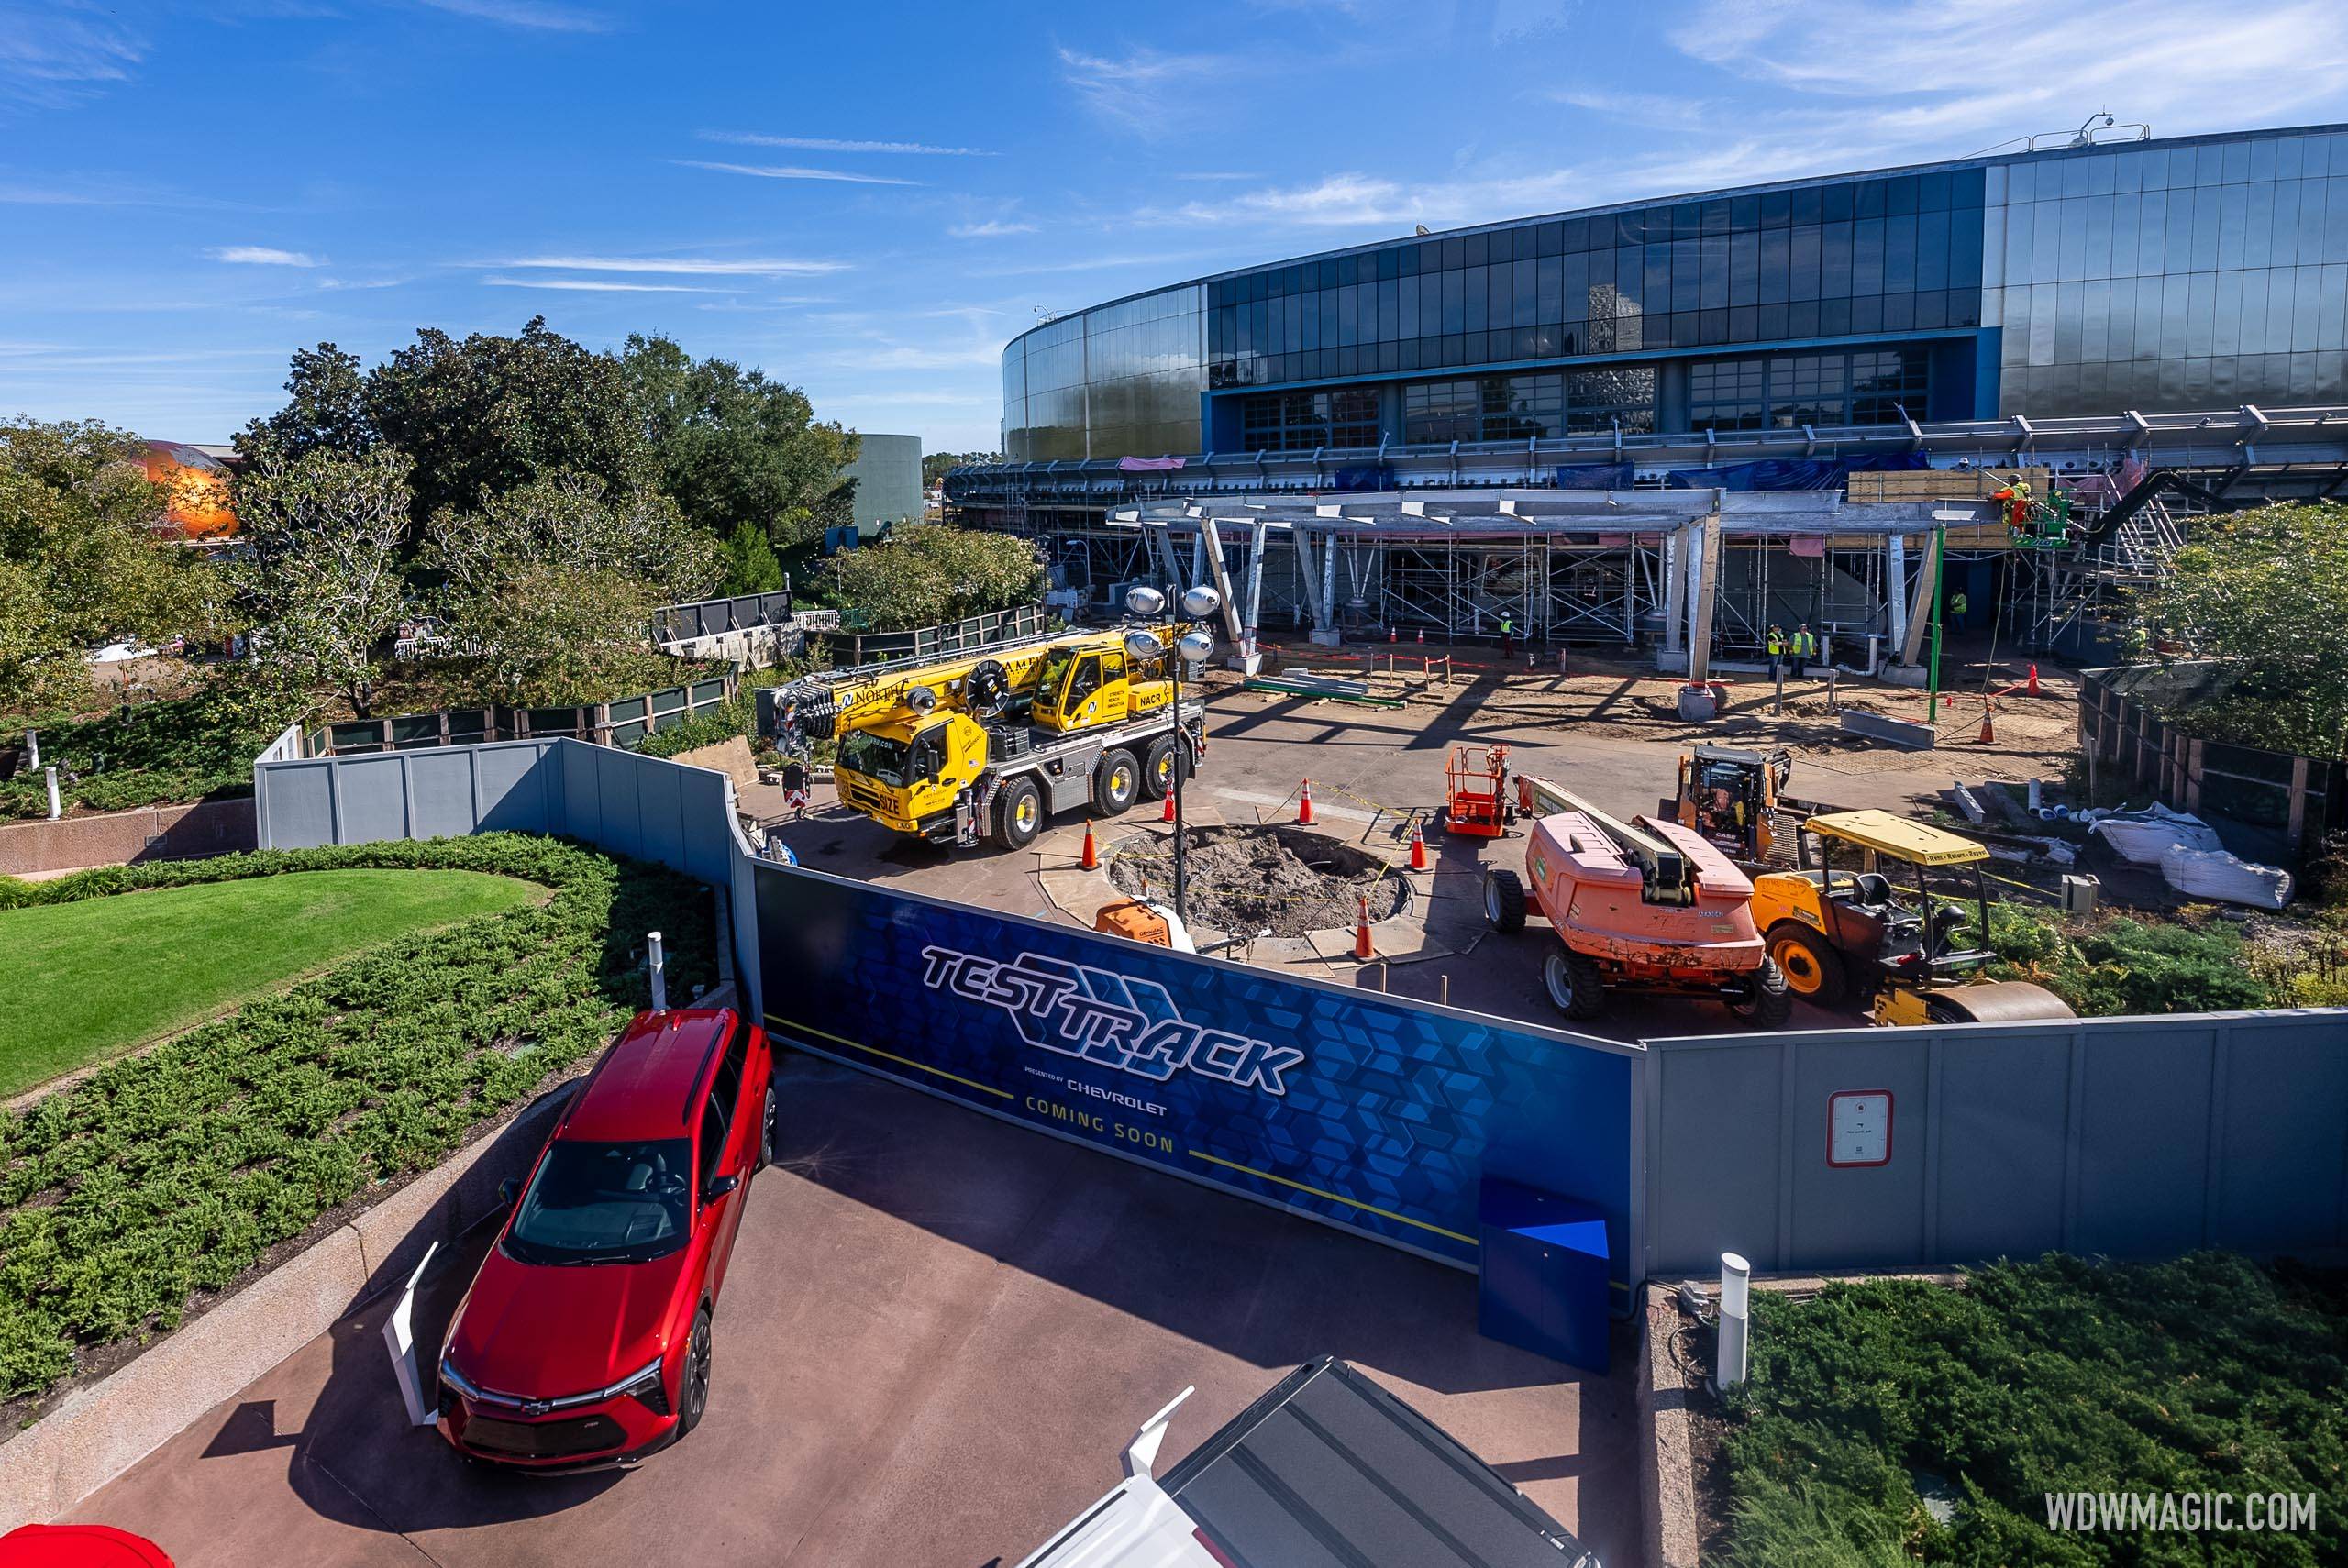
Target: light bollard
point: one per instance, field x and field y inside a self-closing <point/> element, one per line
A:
<point x="32" y="748"/>
<point x="1736" y="1320"/>
<point x="55" y="810"/>
<point x="655" y="964"/>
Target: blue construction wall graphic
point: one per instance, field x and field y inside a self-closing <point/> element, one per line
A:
<point x="1349" y="1106"/>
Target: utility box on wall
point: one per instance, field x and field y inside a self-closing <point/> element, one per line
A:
<point x="1545" y="1271"/>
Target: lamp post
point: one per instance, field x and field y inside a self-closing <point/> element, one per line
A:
<point x="1193" y="645"/>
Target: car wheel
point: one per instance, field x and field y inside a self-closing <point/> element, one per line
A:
<point x="1116" y="783"/>
<point x="766" y="1132"/>
<point x="693" y="1397"/>
<point x="1019" y="814"/>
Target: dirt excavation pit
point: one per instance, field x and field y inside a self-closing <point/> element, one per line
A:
<point x="1249" y="880"/>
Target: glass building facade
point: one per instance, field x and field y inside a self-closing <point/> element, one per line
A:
<point x="2197" y="273"/>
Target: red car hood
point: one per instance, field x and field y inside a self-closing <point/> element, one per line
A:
<point x="545" y="1333"/>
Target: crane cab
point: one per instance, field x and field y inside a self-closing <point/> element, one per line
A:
<point x="1085" y="685"/>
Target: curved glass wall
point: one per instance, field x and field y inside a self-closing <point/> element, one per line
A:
<point x="2196" y="273"/>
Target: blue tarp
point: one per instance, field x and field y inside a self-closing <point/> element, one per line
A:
<point x="1594" y="476"/>
<point x="1789" y="473"/>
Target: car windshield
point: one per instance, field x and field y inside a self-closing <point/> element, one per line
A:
<point x="605" y="1203"/>
<point x="874" y="757"/>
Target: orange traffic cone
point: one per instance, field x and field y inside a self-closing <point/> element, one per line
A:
<point x="1989" y="730"/>
<point x="1422" y="636"/>
<point x="1304" y="805"/>
<point x="1390" y="633"/>
<point x="1090" y="860"/>
<point x="2034" y="680"/>
<point x="1418" y="849"/>
<point x="1361" y="933"/>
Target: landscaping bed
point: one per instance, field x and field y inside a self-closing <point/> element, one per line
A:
<point x="146" y="754"/>
<point x="93" y="978"/>
<point x="163" y="1181"/>
<point x="1896" y="1421"/>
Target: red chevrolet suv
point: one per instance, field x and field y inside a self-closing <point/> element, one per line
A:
<point x="585" y="1339"/>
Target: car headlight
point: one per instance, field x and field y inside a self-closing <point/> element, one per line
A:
<point x="646" y="1388"/>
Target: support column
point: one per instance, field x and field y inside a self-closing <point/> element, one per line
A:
<point x="1703" y="584"/>
<point x="1895" y="590"/>
<point x="1212" y="539"/>
<point x="1920" y="603"/>
<point x="1674" y="553"/>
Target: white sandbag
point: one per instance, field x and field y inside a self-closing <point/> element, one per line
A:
<point x="2205" y="874"/>
<point x="2145" y="837"/>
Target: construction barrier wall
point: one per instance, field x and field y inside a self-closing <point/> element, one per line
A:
<point x="1364" y="1111"/>
<point x="2131" y="1137"/>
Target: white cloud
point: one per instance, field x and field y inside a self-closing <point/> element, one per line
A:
<point x="827" y="144"/>
<point x="532" y="13"/>
<point x="915" y="357"/>
<point x="680" y="266"/>
<point x="597" y="286"/>
<point x="262" y="256"/>
<point x="1367" y="201"/>
<point x="993" y="229"/>
<point x="787" y="172"/>
<point x="1146" y="91"/>
<point x="52" y="55"/>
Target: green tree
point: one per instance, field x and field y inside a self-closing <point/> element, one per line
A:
<point x="2267" y="591"/>
<point x="730" y="446"/>
<point x="327" y="408"/>
<point x="552" y="584"/>
<point x="487" y="414"/>
<point x="86" y="556"/>
<point x="935" y="464"/>
<point x="926" y="574"/>
<point x="751" y="565"/>
<point x="322" y="573"/>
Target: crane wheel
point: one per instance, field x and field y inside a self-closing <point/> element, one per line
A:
<point x="1158" y="769"/>
<point x="1574" y="985"/>
<point x="1019" y="814"/>
<point x="1504" y="901"/>
<point x="1117" y="781"/>
<point x="1766" y="1003"/>
<point x="1813" y="970"/>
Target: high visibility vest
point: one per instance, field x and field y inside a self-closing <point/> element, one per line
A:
<point x="1776" y="642"/>
<point x="1805" y="644"/>
<point x="1956" y="603"/>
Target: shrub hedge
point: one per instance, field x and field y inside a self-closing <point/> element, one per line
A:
<point x="2117" y="965"/>
<point x="2065" y="1375"/>
<point x="168" y="1174"/>
<point x="183" y="749"/>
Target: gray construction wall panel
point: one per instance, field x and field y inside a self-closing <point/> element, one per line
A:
<point x="1715" y="1160"/>
<point x="2144" y="1156"/>
<point x="441" y="782"/>
<point x="1872" y="1214"/>
<point x="372" y="798"/>
<point x="2004" y="1102"/>
<point x="513" y="789"/>
<point x="2281" y="1130"/>
<point x="294" y="803"/>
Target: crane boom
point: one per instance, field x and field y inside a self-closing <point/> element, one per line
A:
<point x="1661" y="865"/>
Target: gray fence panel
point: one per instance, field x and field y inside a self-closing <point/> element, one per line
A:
<point x="441" y="786"/>
<point x="293" y="805"/>
<point x="515" y="787"/>
<point x="660" y="805"/>
<point x="371" y="799"/>
<point x="2144" y="1141"/>
<point x="2134" y="1137"/>
<point x="2004" y="1103"/>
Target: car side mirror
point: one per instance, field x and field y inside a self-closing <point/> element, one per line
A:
<point x="718" y="1187"/>
<point x="509" y="1192"/>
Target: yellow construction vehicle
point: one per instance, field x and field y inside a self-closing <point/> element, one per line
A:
<point x="1845" y="930"/>
<point x="992" y="743"/>
<point x="1736" y="798"/>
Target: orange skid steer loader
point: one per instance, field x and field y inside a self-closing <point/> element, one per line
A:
<point x="1641" y="905"/>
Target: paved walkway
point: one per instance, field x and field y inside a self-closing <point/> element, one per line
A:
<point x="938" y="1333"/>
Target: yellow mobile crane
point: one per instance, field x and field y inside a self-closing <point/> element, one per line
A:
<point x="990" y="744"/>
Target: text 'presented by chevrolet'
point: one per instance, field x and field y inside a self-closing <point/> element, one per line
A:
<point x="1113" y="1021"/>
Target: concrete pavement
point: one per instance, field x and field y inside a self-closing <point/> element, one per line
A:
<point x="938" y="1333"/>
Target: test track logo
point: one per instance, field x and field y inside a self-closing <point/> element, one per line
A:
<point x="1107" y="1019"/>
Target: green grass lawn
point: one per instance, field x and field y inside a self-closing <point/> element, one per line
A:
<point x="80" y="982"/>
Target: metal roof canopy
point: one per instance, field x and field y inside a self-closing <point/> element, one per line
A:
<point x="1516" y="513"/>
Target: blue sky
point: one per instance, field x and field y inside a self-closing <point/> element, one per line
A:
<point x="869" y="200"/>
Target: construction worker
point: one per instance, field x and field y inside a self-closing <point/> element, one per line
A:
<point x="2016" y="499"/>
<point x="1508" y="635"/>
<point x="1957" y="605"/>
<point x="1777" y="646"/>
<point x="1805" y="648"/>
